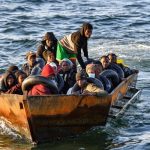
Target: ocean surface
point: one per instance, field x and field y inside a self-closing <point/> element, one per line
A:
<point x="120" y="26"/>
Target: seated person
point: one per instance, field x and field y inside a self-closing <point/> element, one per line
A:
<point x="9" y="81"/>
<point x="87" y="88"/>
<point x="50" y="57"/>
<point x="109" y="65"/>
<point x="105" y="62"/>
<point x="41" y="89"/>
<point x="31" y="63"/>
<point x="90" y="70"/>
<point x="16" y="89"/>
<point x="127" y="71"/>
<point x="11" y="69"/>
<point x="67" y="73"/>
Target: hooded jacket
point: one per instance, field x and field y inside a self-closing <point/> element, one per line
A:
<point x="5" y="87"/>
<point x="77" y="41"/>
<point x="40" y="89"/>
<point x="48" y="36"/>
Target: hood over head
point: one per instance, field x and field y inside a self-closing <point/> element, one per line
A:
<point x="84" y="27"/>
<point x="47" y="71"/>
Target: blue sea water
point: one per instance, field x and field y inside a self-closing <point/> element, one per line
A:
<point x="122" y="27"/>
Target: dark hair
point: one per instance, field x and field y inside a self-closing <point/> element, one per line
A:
<point x="104" y="56"/>
<point x="12" y="68"/>
<point x="87" y="25"/>
<point x="112" y="54"/>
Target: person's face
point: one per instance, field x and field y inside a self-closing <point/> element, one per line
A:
<point x="88" y="33"/>
<point x="112" y="59"/>
<point x="65" y="66"/>
<point x="49" y="43"/>
<point x="81" y="83"/>
<point x="10" y="80"/>
<point x="105" y="62"/>
<point x="31" y="60"/>
<point x="99" y="69"/>
<point x="91" y="70"/>
<point x="50" y="58"/>
<point x="21" y="78"/>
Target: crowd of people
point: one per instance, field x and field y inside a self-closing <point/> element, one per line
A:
<point x="56" y="60"/>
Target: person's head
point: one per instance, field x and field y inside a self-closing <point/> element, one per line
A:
<point x="91" y="70"/>
<point x="81" y="79"/>
<point x="98" y="67"/>
<point x="12" y="68"/>
<point x="49" y="39"/>
<point x="49" y="56"/>
<point x="48" y="72"/>
<point x="66" y="64"/>
<point x="112" y="58"/>
<point x="52" y="64"/>
<point x="86" y="29"/>
<point x="10" y="80"/>
<point x="20" y="76"/>
<point x="105" y="61"/>
<point x="31" y="58"/>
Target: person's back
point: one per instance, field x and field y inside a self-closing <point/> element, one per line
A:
<point x="41" y="89"/>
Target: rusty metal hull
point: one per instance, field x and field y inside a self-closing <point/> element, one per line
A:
<point x="44" y="118"/>
<point x="13" y="113"/>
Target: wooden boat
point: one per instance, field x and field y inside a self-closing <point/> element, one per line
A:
<point x="44" y="118"/>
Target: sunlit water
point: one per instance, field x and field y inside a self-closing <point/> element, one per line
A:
<point x="119" y="26"/>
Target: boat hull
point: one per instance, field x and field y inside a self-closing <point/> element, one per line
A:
<point x="44" y="118"/>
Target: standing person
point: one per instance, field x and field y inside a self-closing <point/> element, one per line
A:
<point x="70" y="46"/>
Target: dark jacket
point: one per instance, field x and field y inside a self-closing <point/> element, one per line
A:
<point x="4" y="85"/>
<point x="77" y="41"/>
<point x="69" y="79"/>
<point x="80" y="41"/>
<point x="42" y="47"/>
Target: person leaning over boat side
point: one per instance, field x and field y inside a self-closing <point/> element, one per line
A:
<point x="41" y="89"/>
<point x="70" y="46"/>
<point x="127" y="71"/>
<point x="67" y="73"/>
<point x="87" y="88"/>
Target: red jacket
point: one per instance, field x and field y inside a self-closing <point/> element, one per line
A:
<point x="39" y="89"/>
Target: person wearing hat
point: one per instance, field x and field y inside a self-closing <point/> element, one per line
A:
<point x="41" y="89"/>
<point x="70" y="45"/>
<point x="31" y="62"/>
<point x="49" y="42"/>
<point x="87" y="88"/>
